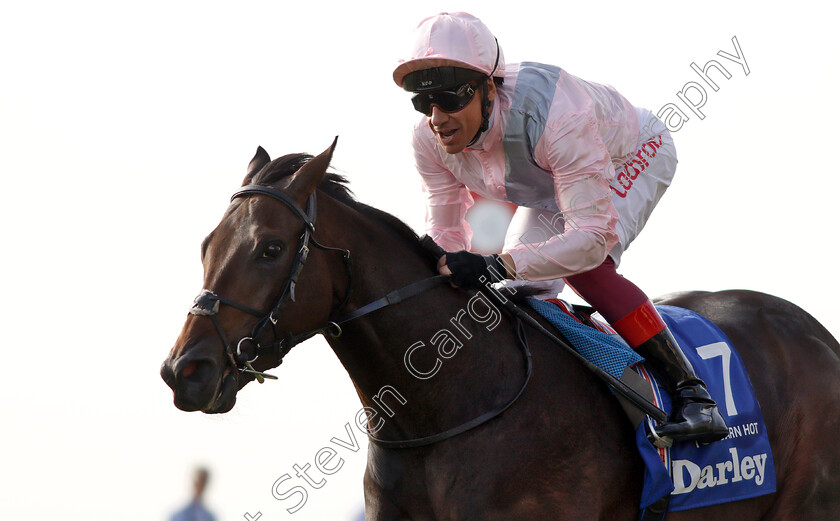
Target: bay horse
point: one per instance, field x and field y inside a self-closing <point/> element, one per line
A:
<point x="427" y="362"/>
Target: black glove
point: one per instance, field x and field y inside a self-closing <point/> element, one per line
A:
<point x="468" y="268"/>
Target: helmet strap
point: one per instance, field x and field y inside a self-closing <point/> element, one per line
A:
<point x="486" y="104"/>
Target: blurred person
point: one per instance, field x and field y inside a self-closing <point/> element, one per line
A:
<point x="195" y="510"/>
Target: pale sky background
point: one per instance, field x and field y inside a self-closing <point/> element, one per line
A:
<point x="125" y="127"/>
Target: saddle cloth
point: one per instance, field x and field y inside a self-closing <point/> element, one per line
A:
<point x="695" y="475"/>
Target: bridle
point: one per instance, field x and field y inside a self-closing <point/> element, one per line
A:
<point x="248" y="348"/>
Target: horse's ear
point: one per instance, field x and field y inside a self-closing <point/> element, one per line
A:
<point x="261" y="158"/>
<point x="306" y="180"/>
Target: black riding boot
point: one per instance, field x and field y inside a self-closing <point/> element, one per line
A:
<point x="694" y="414"/>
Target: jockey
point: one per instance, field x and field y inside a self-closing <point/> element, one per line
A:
<point x="584" y="167"/>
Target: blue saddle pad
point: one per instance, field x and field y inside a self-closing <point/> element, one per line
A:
<point x="696" y="475"/>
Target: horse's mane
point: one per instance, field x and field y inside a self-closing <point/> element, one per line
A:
<point x="335" y="186"/>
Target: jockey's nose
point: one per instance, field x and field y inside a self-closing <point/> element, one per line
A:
<point x="438" y="116"/>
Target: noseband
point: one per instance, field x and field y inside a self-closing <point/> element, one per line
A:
<point x="247" y="349"/>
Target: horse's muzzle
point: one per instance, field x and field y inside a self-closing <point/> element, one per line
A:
<point x="200" y="381"/>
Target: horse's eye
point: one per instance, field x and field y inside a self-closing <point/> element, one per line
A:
<point x="272" y="251"/>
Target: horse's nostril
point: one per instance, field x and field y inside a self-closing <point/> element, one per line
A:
<point x="197" y="372"/>
<point x="189" y="370"/>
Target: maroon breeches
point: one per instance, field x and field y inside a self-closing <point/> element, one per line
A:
<point x="622" y="303"/>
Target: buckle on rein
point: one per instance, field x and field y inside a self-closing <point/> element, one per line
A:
<point x="240" y="358"/>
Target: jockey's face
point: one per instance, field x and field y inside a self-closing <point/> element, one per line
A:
<point x="455" y="130"/>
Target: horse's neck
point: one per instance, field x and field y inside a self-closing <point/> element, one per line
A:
<point x="429" y="363"/>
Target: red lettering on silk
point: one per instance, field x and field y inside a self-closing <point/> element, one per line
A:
<point x="638" y="164"/>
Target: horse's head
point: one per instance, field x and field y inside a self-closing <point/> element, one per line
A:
<point x="242" y="323"/>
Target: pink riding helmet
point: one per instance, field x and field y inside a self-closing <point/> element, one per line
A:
<point x="455" y="40"/>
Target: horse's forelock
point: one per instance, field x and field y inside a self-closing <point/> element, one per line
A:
<point x="278" y="169"/>
<point x="283" y="167"/>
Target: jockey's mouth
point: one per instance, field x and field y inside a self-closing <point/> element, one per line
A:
<point x="446" y="135"/>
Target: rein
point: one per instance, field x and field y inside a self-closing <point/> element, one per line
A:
<point x="475" y="422"/>
<point x="248" y="349"/>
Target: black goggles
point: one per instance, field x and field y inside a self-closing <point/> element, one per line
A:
<point x="446" y="100"/>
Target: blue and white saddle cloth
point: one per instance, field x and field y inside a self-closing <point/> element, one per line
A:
<point x="695" y="475"/>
